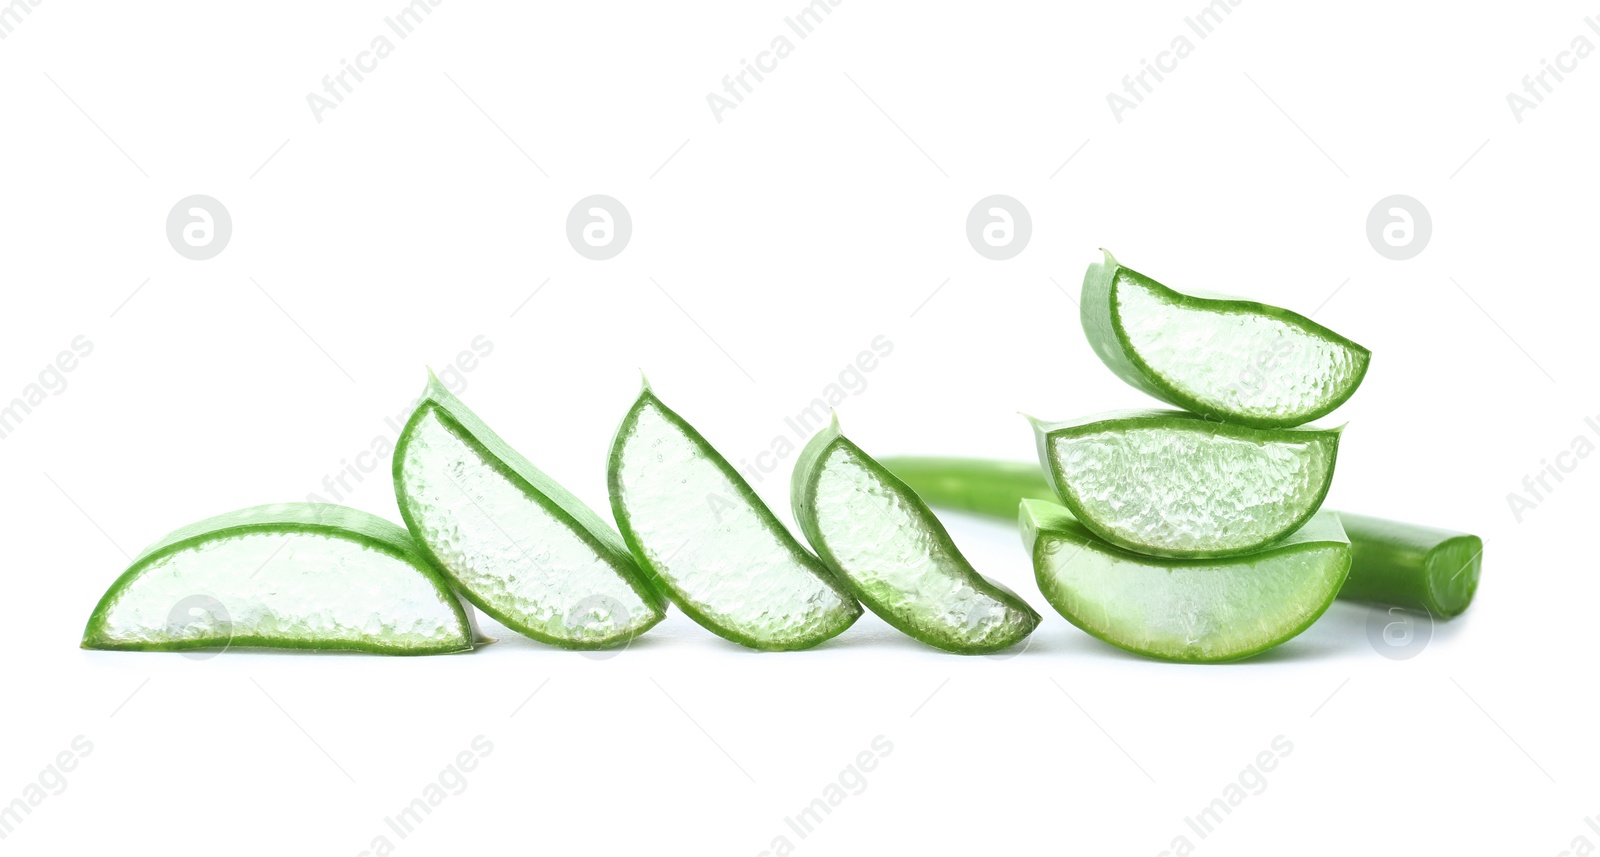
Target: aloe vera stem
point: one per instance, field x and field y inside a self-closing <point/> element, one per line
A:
<point x="1411" y="566"/>
<point x="980" y="486"/>
<point x="1404" y="565"/>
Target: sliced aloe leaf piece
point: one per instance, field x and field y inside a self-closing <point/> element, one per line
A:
<point x="1171" y="483"/>
<point x="1222" y="357"/>
<point x="1188" y="610"/>
<point x="709" y="542"/>
<point x="513" y="541"/>
<point x="895" y="555"/>
<point x="287" y="576"/>
<point x="1413" y="566"/>
<point x="1394" y="563"/>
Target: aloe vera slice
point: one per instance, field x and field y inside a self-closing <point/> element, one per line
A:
<point x="1221" y="357"/>
<point x="895" y="555"/>
<point x="1170" y="483"/>
<point x="288" y="576"/>
<point x="513" y="541"/>
<point x="710" y="544"/>
<point x="1188" y="610"/>
<point x="1412" y="566"/>
<point x="1393" y="563"/>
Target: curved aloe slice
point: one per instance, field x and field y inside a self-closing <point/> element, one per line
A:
<point x="1171" y="483"/>
<point x="710" y="544"/>
<point x="1221" y="357"/>
<point x="289" y="576"/>
<point x="895" y="555"/>
<point x="514" y="542"/>
<point x="1194" y="611"/>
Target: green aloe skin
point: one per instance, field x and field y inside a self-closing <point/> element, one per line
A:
<point x="895" y="555"/>
<point x="1404" y="565"/>
<point x="1170" y="483"/>
<point x="1262" y="365"/>
<point x="710" y="544"/>
<point x="286" y="576"/>
<point x="1186" y="610"/>
<point x="515" y="543"/>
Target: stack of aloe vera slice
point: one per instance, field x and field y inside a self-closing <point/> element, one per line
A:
<point x="1197" y="535"/>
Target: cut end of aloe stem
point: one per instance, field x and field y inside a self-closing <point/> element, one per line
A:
<point x="1171" y="483"/>
<point x="1191" y="611"/>
<point x="1413" y="566"/>
<point x="1221" y="357"/>
<point x="711" y="545"/>
<point x="1453" y="568"/>
<point x="292" y="576"/>
<point x="887" y="545"/>
<point x="513" y="541"/>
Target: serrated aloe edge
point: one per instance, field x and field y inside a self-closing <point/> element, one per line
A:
<point x="286" y="576"/>
<point x="517" y="544"/>
<point x="709" y="543"/>
<point x="895" y="555"/>
<point x="1393" y="563"/>
<point x="1263" y="365"/>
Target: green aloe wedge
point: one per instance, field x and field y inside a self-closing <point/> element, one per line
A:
<point x="1221" y="357"/>
<point x="1186" y="610"/>
<point x="1170" y="483"/>
<point x="710" y="544"/>
<point x="513" y="541"/>
<point x="895" y="555"/>
<point x="287" y="576"/>
<point x="1393" y="563"/>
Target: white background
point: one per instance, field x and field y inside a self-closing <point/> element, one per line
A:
<point x="767" y="251"/>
